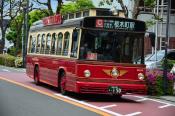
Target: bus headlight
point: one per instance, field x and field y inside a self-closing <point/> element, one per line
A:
<point x="87" y="73"/>
<point x="141" y="76"/>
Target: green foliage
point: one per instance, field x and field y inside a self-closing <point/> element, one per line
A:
<point x="84" y="4"/>
<point x="103" y="2"/>
<point x="76" y="6"/>
<point x="36" y="15"/>
<point x="149" y="3"/>
<point x="70" y="7"/>
<point x="155" y="83"/>
<point x="7" y="60"/>
<point x="18" y="62"/>
<point x="12" y="51"/>
<point x="150" y="23"/>
<point x="169" y="64"/>
<point x="11" y="36"/>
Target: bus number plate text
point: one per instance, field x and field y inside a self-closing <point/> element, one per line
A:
<point x="114" y="90"/>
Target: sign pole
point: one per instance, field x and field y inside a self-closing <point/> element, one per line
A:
<point x="166" y="46"/>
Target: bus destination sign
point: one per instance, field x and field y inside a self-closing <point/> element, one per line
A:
<point x="115" y="24"/>
<point x="52" y="20"/>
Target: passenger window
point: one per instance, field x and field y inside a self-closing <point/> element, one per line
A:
<point x="30" y="44"/>
<point x="43" y="41"/>
<point x="38" y="43"/>
<point x="48" y="44"/>
<point x="33" y="44"/>
<point x="53" y="43"/>
<point x="66" y="43"/>
<point x="59" y="43"/>
<point x="75" y="36"/>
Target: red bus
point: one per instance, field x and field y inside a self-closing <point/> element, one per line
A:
<point x="94" y="54"/>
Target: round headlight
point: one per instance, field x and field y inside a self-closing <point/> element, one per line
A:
<point x="141" y="76"/>
<point x="87" y="73"/>
<point x="114" y="72"/>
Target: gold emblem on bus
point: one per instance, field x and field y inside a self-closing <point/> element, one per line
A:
<point x="114" y="72"/>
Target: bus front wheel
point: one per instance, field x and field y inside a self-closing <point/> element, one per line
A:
<point x="63" y="84"/>
<point x="36" y="76"/>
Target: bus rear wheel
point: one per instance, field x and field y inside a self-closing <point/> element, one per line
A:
<point x="63" y="84"/>
<point x="36" y="76"/>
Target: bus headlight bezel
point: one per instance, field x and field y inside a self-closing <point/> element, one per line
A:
<point x="141" y="76"/>
<point x="87" y="73"/>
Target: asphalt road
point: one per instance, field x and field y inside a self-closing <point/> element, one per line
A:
<point x="19" y="96"/>
<point x="19" y="101"/>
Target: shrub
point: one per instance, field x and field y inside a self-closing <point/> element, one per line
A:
<point x="155" y="82"/>
<point x="18" y="62"/>
<point x="7" y="60"/>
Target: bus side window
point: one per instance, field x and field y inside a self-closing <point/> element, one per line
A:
<point x="59" y="44"/>
<point x="53" y="43"/>
<point x="74" y="49"/>
<point x="30" y="44"/>
<point x="42" y="44"/>
<point x="33" y="44"/>
<point x="66" y="43"/>
<point x="48" y="44"/>
<point x="38" y="43"/>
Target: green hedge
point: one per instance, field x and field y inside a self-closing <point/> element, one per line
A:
<point x="7" y="60"/>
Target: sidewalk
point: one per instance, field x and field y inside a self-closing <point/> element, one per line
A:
<point x="167" y="98"/>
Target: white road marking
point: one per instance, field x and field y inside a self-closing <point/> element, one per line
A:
<point x="90" y="105"/>
<point x="151" y="99"/>
<point x="133" y="114"/>
<point x="108" y="106"/>
<point x="5" y="70"/>
<point x="164" y="106"/>
<point x="143" y="99"/>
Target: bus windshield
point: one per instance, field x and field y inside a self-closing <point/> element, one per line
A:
<point x="113" y="46"/>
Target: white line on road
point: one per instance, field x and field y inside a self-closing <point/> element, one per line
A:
<point x="108" y="106"/>
<point x="150" y="99"/>
<point x="90" y="105"/>
<point x="164" y="106"/>
<point x="133" y="114"/>
<point x="143" y="99"/>
<point x="5" y="70"/>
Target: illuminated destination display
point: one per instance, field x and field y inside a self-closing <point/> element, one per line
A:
<point x="115" y="24"/>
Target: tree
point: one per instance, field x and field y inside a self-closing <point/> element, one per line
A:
<point x="15" y="33"/>
<point x="77" y="5"/>
<point x="49" y="7"/>
<point x="136" y="10"/>
<point x="9" y="9"/>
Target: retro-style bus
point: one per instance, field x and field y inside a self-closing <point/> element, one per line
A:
<point x="93" y="54"/>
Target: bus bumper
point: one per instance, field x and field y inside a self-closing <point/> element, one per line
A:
<point x="102" y="88"/>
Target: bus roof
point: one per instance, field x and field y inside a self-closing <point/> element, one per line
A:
<point x="78" y="22"/>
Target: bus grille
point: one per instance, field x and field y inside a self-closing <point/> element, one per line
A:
<point x="100" y="90"/>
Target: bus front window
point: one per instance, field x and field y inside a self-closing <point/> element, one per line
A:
<point x="123" y="47"/>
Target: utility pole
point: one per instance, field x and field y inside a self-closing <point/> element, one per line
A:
<point x="25" y="31"/>
<point x="166" y="46"/>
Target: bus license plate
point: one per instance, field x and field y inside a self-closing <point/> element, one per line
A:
<point x="114" y="89"/>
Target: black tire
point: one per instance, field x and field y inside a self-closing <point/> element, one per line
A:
<point x="62" y="84"/>
<point x="36" y="76"/>
<point x="118" y="96"/>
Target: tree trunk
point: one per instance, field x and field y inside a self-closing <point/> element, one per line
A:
<point x="49" y="7"/>
<point x="124" y="8"/>
<point x="60" y="2"/>
<point x="2" y="44"/>
<point x="136" y="9"/>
